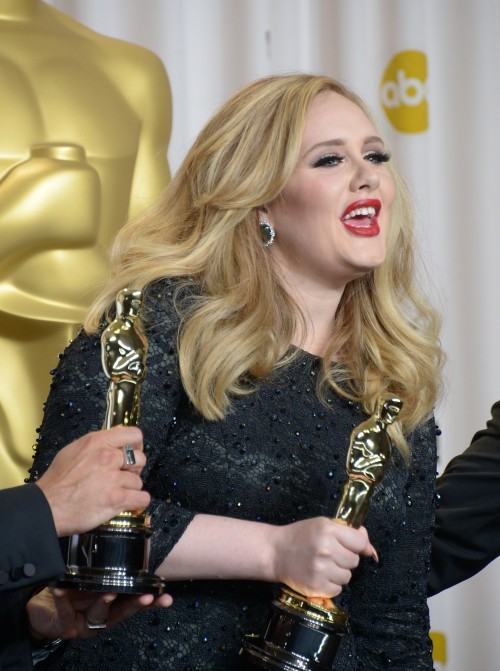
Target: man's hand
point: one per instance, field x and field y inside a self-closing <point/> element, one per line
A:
<point x="63" y="613"/>
<point x="89" y="481"/>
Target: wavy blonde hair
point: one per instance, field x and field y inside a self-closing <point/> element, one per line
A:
<point x="239" y="326"/>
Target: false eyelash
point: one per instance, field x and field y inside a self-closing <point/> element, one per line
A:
<point x="328" y="159"/>
<point x="379" y="156"/>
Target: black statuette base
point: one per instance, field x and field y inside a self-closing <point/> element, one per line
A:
<point x="113" y="558"/>
<point x="293" y="642"/>
<point x="113" y="581"/>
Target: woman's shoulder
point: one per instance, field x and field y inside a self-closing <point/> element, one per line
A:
<point x="164" y="301"/>
<point x="423" y="441"/>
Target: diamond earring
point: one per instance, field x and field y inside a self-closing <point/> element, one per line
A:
<point x="267" y="233"/>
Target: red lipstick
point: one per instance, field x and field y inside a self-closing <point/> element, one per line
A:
<point x="361" y="217"/>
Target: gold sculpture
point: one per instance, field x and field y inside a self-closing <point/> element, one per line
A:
<point x="85" y="128"/>
<point x="124" y="350"/>
<point x="115" y="555"/>
<point x="369" y="451"/>
<point x="304" y="633"/>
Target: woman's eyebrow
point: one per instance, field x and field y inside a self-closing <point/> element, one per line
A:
<point x="339" y="142"/>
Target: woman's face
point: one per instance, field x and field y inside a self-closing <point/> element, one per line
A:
<point x="331" y="219"/>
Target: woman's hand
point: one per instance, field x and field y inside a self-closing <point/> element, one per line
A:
<point x="316" y="557"/>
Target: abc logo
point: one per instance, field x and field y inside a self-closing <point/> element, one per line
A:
<point x="403" y="92"/>
<point x="439" y="656"/>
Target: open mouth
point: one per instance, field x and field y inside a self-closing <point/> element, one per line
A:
<point x="362" y="220"/>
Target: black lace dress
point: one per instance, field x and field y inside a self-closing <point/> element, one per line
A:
<point x="278" y="457"/>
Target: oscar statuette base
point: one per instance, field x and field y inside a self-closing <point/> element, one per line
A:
<point x="113" y="558"/>
<point x="301" y="636"/>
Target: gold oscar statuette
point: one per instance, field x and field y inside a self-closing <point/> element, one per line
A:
<point x="114" y="557"/>
<point x="304" y="633"/>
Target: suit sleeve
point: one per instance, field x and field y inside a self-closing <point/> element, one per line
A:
<point x="29" y="555"/>
<point x="466" y="537"/>
<point x="29" y="551"/>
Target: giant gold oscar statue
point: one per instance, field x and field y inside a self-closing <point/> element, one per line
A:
<point x="85" y="125"/>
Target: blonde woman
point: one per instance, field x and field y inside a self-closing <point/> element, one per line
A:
<point x="280" y="302"/>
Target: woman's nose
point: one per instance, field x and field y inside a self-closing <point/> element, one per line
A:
<point x="365" y="176"/>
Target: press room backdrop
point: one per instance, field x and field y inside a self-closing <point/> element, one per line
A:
<point x="430" y="72"/>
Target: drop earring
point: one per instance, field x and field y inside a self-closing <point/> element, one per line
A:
<point x="267" y="233"/>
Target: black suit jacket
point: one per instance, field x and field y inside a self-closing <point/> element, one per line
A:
<point x="29" y="555"/>
<point x="467" y="535"/>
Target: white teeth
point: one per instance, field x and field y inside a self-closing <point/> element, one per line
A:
<point x="360" y="212"/>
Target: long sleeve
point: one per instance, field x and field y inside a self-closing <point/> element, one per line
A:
<point x="466" y="536"/>
<point x="29" y="555"/>
<point x="29" y="551"/>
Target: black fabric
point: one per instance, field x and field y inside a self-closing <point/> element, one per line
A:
<point x="29" y="555"/>
<point x="467" y="534"/>
<point x="279" y="456"/>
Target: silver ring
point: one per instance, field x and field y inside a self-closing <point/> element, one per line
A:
<point x="128" y="452"/>
<point x="92" y="626"/>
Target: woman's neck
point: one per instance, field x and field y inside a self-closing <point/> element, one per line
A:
<point x="318" y="309"/>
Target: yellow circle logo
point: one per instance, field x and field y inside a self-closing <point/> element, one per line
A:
<point x="403" y="92"/>
<point x="439" y="656"/>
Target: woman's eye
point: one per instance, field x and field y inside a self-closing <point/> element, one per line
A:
<point x="328" y="160"/>
<point x="378" y="157"/>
